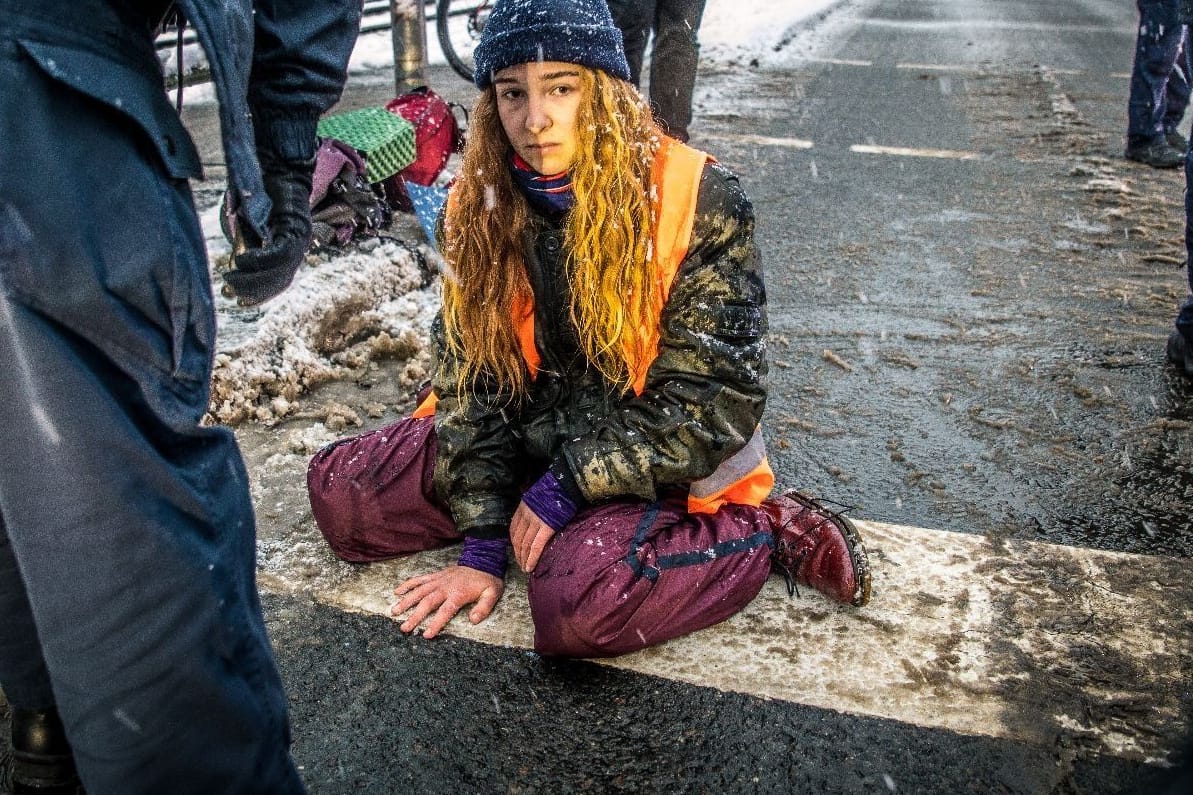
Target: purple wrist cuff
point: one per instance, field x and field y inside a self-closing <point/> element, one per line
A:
<point x="550" y="502"/>
<point x="485" y="554"/>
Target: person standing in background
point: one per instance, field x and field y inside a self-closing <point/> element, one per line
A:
<point x="1159" y="90"/>
<point x="133" y="651"/>
<point x="675" y="25"/>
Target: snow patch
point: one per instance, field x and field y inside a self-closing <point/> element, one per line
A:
<point x="336" y="317"/>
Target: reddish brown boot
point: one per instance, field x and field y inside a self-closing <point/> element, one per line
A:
<point x="818" y="548"/>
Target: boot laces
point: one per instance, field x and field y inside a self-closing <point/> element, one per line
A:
<point x="789" y="575"/>
<point x="783" y="546"/>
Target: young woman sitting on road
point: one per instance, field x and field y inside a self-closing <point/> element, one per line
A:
<point x="598" y="394"/>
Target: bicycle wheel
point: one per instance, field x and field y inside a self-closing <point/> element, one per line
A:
<point x="459" y="24"/>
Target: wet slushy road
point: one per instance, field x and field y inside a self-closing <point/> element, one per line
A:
<point x="977" y="343"/>
<point x="969" y="296"/>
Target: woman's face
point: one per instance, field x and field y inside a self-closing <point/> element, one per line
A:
<point x="538" y="104"/>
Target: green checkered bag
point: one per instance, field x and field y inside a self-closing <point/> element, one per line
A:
<point x="385" y="139"/>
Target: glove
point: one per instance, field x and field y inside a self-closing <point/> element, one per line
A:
<point x="263" y="271"/>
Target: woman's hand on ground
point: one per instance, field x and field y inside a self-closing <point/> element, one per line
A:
<point x="444" y="593"/>
<point x="529" y="536"/>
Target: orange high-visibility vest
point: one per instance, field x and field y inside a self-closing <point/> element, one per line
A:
<point x="745" y="478"/>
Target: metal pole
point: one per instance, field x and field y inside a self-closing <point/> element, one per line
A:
<point x="410" y="44"/>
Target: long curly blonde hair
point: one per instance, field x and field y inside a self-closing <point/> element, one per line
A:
<point x="607" y="237"/>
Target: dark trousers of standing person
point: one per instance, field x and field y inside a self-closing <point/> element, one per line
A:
<point x="128" y="600"/>
<point x="1159" y="92"/>
<point x="1180" y="342"/>
<point x="1178" y="89"/>
<point x="674" y="56"/>
<point x="1184" y="318"/>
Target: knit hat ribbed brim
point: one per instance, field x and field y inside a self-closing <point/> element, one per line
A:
<point x="570" y="31"/>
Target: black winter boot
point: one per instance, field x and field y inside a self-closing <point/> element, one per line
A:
<point x="1157" y="154"/>
<point x="1180" y="353"/>
<point x="40" y="761"/>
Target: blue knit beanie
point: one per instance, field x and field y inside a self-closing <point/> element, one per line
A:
<point x="570" y="31"/>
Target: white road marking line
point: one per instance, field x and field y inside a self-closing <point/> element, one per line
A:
<point x="944" y="67"/>
<point x="869" y="149"/>
<point x="762" y="140"/>
<point x="841" y="61"/>
<point x="956" y="67"/>
<point x="938" y="67"/>
<point x="1001" y="638"/>
<point x="900" y="151"/>
<point x="978" y="25"/>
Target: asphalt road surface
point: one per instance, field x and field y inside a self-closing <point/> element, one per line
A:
<point x="969" y="295"/>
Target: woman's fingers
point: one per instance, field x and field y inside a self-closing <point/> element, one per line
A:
<point x="443" y="615"/>
<point x="425" y="606"/>
<point x="537" y="544"/>
<point x="413" y="597"/>
<point x="437" y="597"/>
<point x="410" y="584"/>
<point x="520" y="531"/>
<point x="484" y="606"/>
<point x="529" y="535"/>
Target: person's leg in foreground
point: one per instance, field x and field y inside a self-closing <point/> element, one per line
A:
<point x="128" y="607"/>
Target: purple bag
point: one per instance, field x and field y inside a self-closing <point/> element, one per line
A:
<point x="342" y="200"/>
<point x="331" y="158"/>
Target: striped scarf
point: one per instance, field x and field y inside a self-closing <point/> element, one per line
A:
<point x="549" y="194"/>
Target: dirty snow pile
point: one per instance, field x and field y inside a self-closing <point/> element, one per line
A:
<point x="340" y="313"/>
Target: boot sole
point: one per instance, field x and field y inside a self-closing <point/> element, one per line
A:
<point x="42" y="772"/>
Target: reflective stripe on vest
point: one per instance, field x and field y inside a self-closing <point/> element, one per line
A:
<point x="744" y="478"/>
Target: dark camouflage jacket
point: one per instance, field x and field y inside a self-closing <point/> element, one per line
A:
<point x="704" y="393"/>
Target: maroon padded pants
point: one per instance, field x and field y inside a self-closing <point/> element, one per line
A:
<point x="623" y="575"/>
